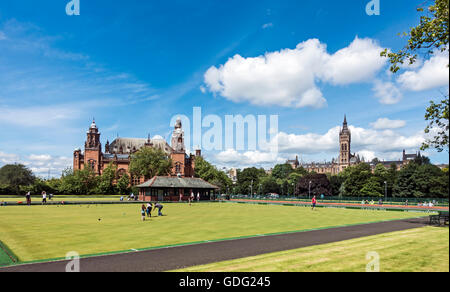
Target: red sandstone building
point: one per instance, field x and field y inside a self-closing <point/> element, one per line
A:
<point x="120" y="150"/>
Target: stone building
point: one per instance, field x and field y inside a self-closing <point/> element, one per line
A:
<point x="346" y="158"/>
<point x="119" y="152"/>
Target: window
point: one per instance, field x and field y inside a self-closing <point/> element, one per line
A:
<point x="136" y="181"/>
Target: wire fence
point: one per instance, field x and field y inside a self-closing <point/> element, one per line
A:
<point x="353" y="200"/>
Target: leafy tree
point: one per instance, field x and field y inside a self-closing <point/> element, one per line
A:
<point x="319" y="185"/>
<point x="438" y="116"/>
<point x="149" y="162"/>
<point x="209" y="173"/>
<point x="282" y="171"/>
<point x="428" y="37"/>
<point x="372" y="188"/>
<point x="79" y="182"/>
<point x="336" y="182"/>
<point x="15" y="176"/>
<point x="123" y="184"/>
<point x="248" y="179"/>
<point x="269" y="185"/>
<point x="355" y="178"/>
<point x="106" y="180"/>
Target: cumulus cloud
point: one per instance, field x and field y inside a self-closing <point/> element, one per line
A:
<point x="385" y="123"/>
<point x="434" y="73"/>
<point x="384" y="144"/>
<point x="289" y="77"/>
<point x="387" y="92"/>
<point x="40" y="164"/>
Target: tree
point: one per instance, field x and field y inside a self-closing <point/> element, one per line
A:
<point x="269" y="185"/>
<point x="282" y="171"/>
<point x="15" y="176"/>
<point x="79" y="182"/>
<point x="319" y="185"/>
<point x="372" y="188"/>
<point x="249" y="179"/>
<point x="106" y="180"/>
<point x="355" y="178"/>
<point x="149" y="162"/>
<point x="123" y="184"/>
<point x="437" y="115"/>
<point x="431" y="35"/>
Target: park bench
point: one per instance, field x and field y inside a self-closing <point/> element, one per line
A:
<point x="436" y="219"/>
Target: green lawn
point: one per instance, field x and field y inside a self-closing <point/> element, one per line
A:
<point x="43" y="232"/>
<point x="416" y="250"/>
<point x="63" y="198"/>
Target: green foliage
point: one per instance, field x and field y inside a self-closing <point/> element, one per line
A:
<point x="209" y="173"/>
<point x="80" y="182"/>
<point x="249" y="179"/>
<point x="429" y="36"/>
<point x="106" y="180"/>
<point x="438" y="117"/>
<point x="355" y="178"/>
<point x="269" y="184"/>
<point x="149" y="162"/>
<point x="13" y="176"/>
<point x="282" y="171"/>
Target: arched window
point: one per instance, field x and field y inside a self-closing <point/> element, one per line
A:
<point x="91" y="164"/>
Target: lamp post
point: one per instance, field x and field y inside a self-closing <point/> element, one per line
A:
<point x="251" y="190"/>
<point x="309" y="194"/>
<point x="385" y="190"/>
<point x="293" y="189"/>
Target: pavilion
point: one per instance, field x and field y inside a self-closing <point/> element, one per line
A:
<point x="162" y="188"/>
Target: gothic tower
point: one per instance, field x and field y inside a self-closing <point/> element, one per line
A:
<point x="93" y="149"/>
<point x="345" y="138"/>
<point x="179" y="151"/>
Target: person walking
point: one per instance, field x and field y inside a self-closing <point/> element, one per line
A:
<point x="44" y="197"/>
<point x="198" y="197"/>
<point x="314" y="202"/>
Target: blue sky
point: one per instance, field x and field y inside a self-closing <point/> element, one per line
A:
<point x="134" y="65"/>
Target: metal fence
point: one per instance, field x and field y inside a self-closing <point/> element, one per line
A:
<point x="356" y="200"/>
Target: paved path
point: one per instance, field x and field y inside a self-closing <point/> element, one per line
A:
<point x="198" y="254"/>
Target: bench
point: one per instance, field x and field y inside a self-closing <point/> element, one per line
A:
<point x="436" y="219"/>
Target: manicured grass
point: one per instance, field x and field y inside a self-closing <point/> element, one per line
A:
<point x="59" y="199"/>
<point x="43" y="232"/>
<point x="416" y="250"/>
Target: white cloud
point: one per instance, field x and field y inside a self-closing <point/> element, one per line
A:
<point x="40" y="164"/>
<point x="434" y="73"/>
<point x="387" y="92"/>
<point x="267" y="25"/>
<point x="288" y="77"/>
<point x="385" y="123"/>
<point x="356" y="63"/>
<point x="247" y="159"/>
<point x="2" y="36"/>
<point x="6" y="158"/>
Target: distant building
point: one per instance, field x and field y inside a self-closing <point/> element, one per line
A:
<point x="120" y="150"/>
<point x="346" y="158"/>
